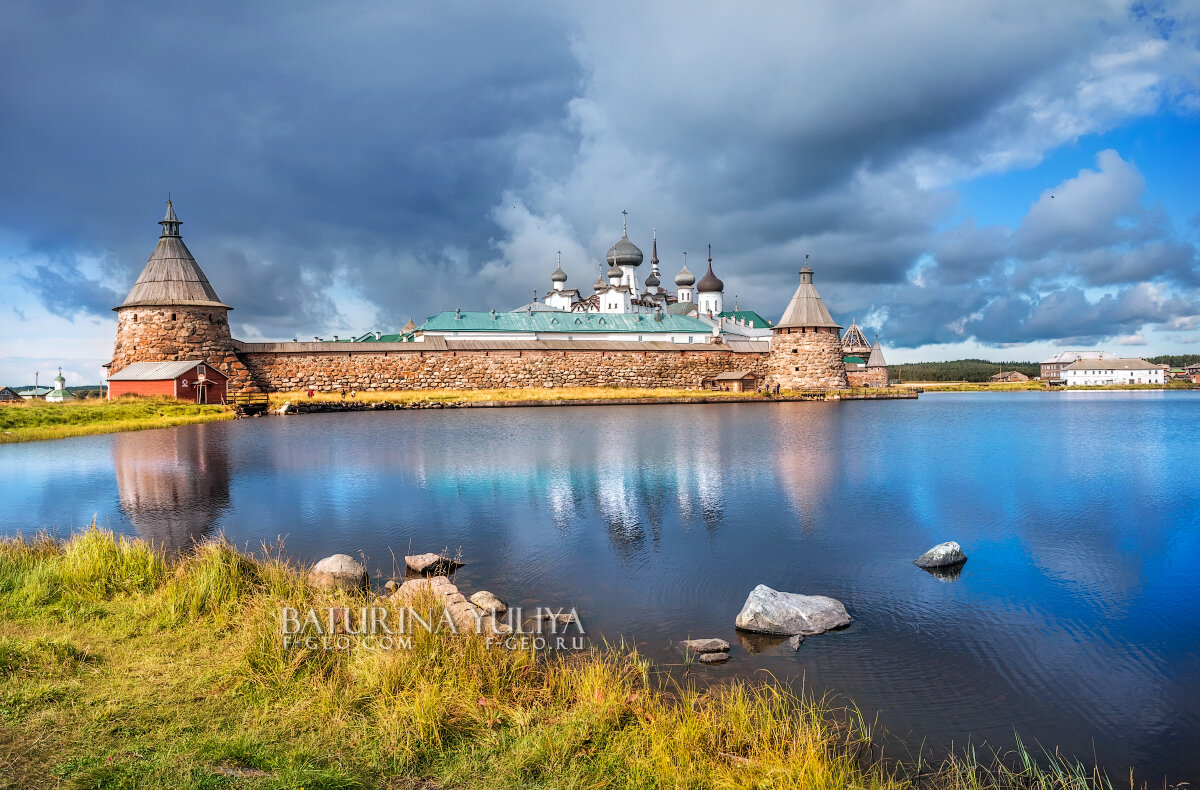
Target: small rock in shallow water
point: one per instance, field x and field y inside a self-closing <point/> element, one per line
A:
<point x="431" y="563"/>
<point x="768" y="611"/>
<point x="342" y="571"/>
<point x="713" y="658"/>
<point x="488" y="602"/>
<point x="942" y="555"/>
<point x="706" y="645"/>
<point x="795" y="642"/>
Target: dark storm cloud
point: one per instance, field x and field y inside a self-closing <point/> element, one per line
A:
<point x="60" y="284"/>
<point x="301" y="131"/>
<point x="426" y="157"/>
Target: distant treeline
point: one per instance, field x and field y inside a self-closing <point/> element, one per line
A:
<point x="1176" y="360"/>
<point x="960" y="370"/>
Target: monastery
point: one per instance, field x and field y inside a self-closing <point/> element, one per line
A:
<point x="625" y="333"/>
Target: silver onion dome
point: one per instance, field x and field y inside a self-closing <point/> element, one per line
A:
<point x="685" y="278"/>
<point x="624" y="253"/>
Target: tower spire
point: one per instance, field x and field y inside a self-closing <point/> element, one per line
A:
<point x="170" y="223"/>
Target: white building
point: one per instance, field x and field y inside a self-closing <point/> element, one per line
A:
<point x="1052" y="368"/>
<point x="1094" y="372"/>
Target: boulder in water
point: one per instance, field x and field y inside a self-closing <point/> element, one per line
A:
<point x="943" y="555"/>
<point x="713" y="658"/>
<point x="768" y="611"/>
<point x="431" y="564"/>
<point x="702" y="646"/>
<point x="488" y="602"/>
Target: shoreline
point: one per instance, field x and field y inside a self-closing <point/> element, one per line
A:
<point x="317" y="406"/>
<point x="186" y="654"/>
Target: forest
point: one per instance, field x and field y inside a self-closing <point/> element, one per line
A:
<point x="960" y="370"/>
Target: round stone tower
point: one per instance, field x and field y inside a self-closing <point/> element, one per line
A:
<point x="173" y="313"/>
<point x="806" y="347"/>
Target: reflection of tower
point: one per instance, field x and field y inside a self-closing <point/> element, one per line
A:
<point x="174" y="485"/>
<point x="808" y="458"/>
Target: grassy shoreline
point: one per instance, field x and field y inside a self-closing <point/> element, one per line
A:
<point x="38" y="420"/>
<point x="121" y="668"/>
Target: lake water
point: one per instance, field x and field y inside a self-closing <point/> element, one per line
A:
<point x="1075" y="623"/>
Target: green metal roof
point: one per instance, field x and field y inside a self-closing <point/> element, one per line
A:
<point x="853" y="361"/>
<point x="567" y="323"/>
<point x="369" y="337"/>
<point x="751" y="318"/>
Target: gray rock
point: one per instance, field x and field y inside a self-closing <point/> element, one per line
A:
<point x="559" y="619"/>
<point x="340" y="571"/>
<point x="488" y="602"/>
<point x="768" y="611"/>
<point x="794" y="642"/>
<point x="431" y="563"/>
<point x="391" y="586"/>
<point x="706" y="645"/>
<point x="942" y="555"/>
<point x="713" y="658"/>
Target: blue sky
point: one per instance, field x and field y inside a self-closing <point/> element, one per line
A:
<point x="994" y="179"/>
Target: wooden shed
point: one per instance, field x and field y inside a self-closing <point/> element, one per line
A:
<point x="189" y="380"/>
<point x="10" y="395"/>
<point x="731" y="381"/>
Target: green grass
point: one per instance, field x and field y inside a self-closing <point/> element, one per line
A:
<point x="119" y="668"/>
<point x="37" y="420"/>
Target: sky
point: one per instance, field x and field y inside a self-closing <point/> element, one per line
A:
<point x="977" y="179"/>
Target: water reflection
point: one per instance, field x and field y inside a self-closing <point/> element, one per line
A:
<point x="173" y="485"/>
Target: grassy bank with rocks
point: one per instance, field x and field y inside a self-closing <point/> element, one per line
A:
<point x="36" y="420"/>
<point x="122" y="668"/>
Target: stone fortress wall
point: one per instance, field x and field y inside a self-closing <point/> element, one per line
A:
<point x="368" y="370"/>
<point x="867" y="377"/>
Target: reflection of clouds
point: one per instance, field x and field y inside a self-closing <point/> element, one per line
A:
<point x="173" y="484"/>
<point x="561" y="498"/>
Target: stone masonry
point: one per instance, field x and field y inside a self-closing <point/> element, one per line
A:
<point x="806" y="358"/>
<point x="449" y="369"/>
<point x="867" y="377"/>
<point x="169" y="333"/>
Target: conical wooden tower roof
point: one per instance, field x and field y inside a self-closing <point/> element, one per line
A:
<point x="876" y="360"/>
<point x="806" y="307"/>
<point x="172" y="276"/>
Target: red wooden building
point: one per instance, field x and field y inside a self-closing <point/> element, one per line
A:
<point x="189" y="380"/>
